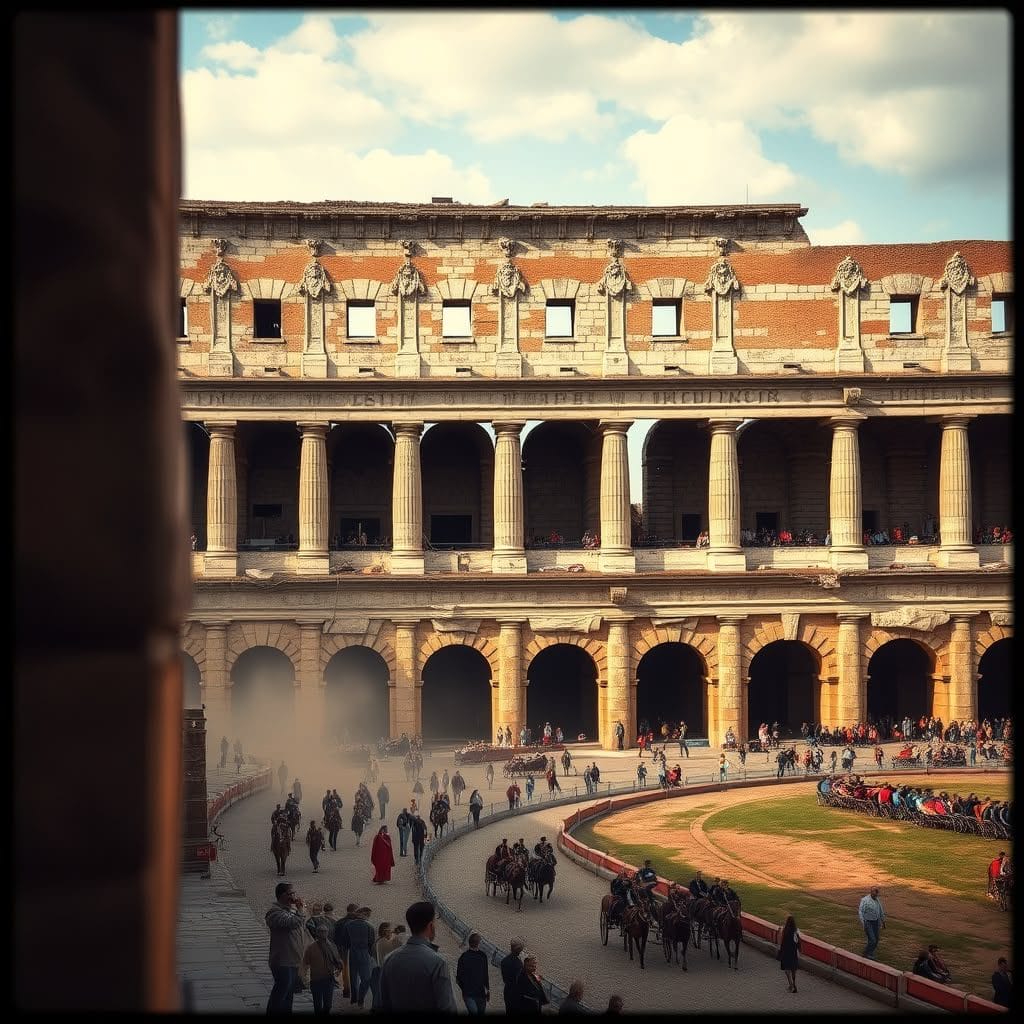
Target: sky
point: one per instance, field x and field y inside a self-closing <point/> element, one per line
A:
<point x="889" y="126"/>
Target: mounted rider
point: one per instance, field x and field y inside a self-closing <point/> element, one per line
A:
<point x="502" y="852"/>
<point x="646" y="879"/>
<point x="543" y="849"/>
<point x="698" y="887"/>
<point x="519" y="850"/>
<point x="729" y="892"/>
<point x="717" y="893"/>
<point x="622" y="891"/>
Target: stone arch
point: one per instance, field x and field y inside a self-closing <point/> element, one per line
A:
<point x="903" y="679"/>
<point x="559" y="287"/>
<point x="284" y="636"/>
<point x="936" y="647"/>
<point x="269" y="288"/>
<point x="985" y="638"/>
<point x="820" y="640"/>
<point x="194" y="646"/>
<point x="435" y="641"/>
<point x="360" y="288"/>
<point x="905" y="284"/>
<point x="457" y="288"/>
<point x="696" y="633"/>
<point x="596" y="648"/>
<point x="332" y="643"/>
<point x="668" y="288"/>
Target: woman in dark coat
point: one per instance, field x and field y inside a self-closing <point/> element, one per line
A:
<point x="527" y="994"/>
<point x="789" y="946"/>
<point x="357" y="825"/>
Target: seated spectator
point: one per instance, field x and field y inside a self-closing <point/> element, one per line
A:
<point x="923" y="968"/>
<point x="937" y="964"/>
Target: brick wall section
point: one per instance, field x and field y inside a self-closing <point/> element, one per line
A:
<point x="784" y="312"/>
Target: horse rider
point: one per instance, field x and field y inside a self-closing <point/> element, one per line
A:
<point x="623" y="893"/>
<point x="566" y="761"/>
<point x="502" y="852"/>
<point x="717" y="893"/>
<point x="647" y="878"/>
<point x="276" y="813"/>
<point x="677" y="894"/>
<point x="519" y="849"/>
<point x="543" y="848"/>
<point x="729" y="892"/>
<point x="289" y="804"/>
<point x="698" y="887"/>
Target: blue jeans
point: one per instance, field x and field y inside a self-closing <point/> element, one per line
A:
<point x="403" y="841"/>
<point x="323" y="994"/>
<point x="871" y="930"/>
<point x="475" y="1004"/>
<point x="360" y="969"/>
<point x="375" y="986"/>
<point x="280" y="1000"/>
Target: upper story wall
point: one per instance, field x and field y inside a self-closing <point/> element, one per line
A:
<point x="751" y="293"/>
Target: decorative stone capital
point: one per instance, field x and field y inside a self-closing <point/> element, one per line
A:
<point x="508" y="281"/>
<point x="615" y="426"/>
<point x="963" y="618"/>
<point x="614" y="281"/>
<point x="223" y="428"/>
<point x="220" y="280"/>
<point x="850" y="423"/>
<point x="731" y="620"/>
<point x="722" y="278"/>
<point x="956" y="422"/>
<point x="851" y="618"/>
<point x="312" y="427"/>
<point x="723" y="426"/>
<point x="407" y="282"/>
<point x="957" y="276"/>
<point x="507" y="427"/>
<point x="409" y="429"/>
<point x="315" y="280"/>
<point x="848" y="278"/>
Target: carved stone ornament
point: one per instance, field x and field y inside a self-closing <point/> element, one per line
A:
<point x="315" y="246"/>
<point x="851" y="396"/>
<point x="408" y="282"/>
<point x="907" y="617"/>
<point x="508" y="281"/>
<point x="957" y="275"/>
<point x="220" y="280"/>
<point x="507" y="247"/>
<point x="722" y="245"/>
<point x="315" y="280"/>
<point x="614" y="280"/>
<point x="848" y="278"/>
<point x="722" y="278"/>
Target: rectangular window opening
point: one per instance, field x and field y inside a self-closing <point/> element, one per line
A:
<point x="869" y="520"/>
<point x="267" y="318"/>
<point x="451" y="529"/>
<point x="902" y="314"/>
<point x="690" y="526"/>
<point x="266" y="511"/>
<point x="666" y="318"/>
<point x="1002" y="314"/>
<point x="455" y="319"/>
<point x="183" y="320"/>
<point x="559" y="315"/>
<point x="352" y="530"/>
<point x="766" y="521"/>
<point x="362" y="319"/>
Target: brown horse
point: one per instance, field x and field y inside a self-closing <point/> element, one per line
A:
<point x="515" y="882"/>
<point x="729" y="928"/>
<point x="543" y="873"/>
<point x="702" y="921"/>
<point x="281" y="843"/>
<point x="636" y="924"/>
<point x="675" y="928"/>
<point x="494" y="874"/>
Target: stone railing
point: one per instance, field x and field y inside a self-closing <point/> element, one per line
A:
<point x="217" y="804"/>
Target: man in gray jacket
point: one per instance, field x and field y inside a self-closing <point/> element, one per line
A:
<point x="357" y="937"/>
<point x="286" y="920"/>
<point x="415" y="976"/>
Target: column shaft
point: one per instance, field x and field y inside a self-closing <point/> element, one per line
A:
<point x="313" y="499"/>
<point x="963" y="680"/>
<point x="617" y="696"/>
<point x="724" y="550"/>
<point x="310" y="693"/>
<point x="511" y="689"/>
<point x="845" y="502"/>
<point x="955" y="515"/>
<point x="216" y="694"/>
<point x="221" y="503"/>
<point x="852" y="698"/>
<point x="407" y="502"/>
<point x="404" y="712"/>
<point x="731" y="709"/>
<point x="616" y="520"/>
<point x="509" y="549"/>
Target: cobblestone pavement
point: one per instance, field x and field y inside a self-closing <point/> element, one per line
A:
<point x="569" y="950"/>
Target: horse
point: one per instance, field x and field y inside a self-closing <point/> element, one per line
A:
<point x="636" y="924"/>
<point x="511" y="876"/>
<point x="729" y="928"/>
<point x="281" y="844"/>
<point x="542" y="872"/>
<point x="702" y="920"/>
<point x="493" y="875"/>
<point x="675" y="928"/>
<point x="438" y="818"/>
<point x="294" y="818"/>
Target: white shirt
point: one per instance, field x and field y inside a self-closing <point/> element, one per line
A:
<point x="870" y="909"/>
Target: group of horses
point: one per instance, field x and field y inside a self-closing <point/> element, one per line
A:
<point x="678" y="920"/>
<point x="518" y="874"/>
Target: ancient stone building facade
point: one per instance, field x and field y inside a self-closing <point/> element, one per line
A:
<point x="410" y="472"/>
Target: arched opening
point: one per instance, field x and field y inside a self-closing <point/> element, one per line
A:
<point x="675" y="484"/>
<point x="562" y="690"/>
<point x="263" y="700"/>
<point x="197" y="446"/>
<point x="671" y="686"/>
<point x="457" y="466"/>
<point x="268" y="484"/>
<point x="192" y="691"/>
<point x="356" y="696"/>
<point x="994" y="697"/>
<point x="900" y="681"/>
<point x="455" y="698"/>
<point x="361" y="460"/>
<point x="784" y="687"/>
<point x="561" y="483"/>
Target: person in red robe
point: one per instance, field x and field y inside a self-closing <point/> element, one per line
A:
<point x="382" y="856"/>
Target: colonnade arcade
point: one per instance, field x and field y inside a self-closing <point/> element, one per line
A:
<point x="317" y="487"/>
<point x="269" y="681"/>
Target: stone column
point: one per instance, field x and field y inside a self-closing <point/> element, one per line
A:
<point x="313" y="501"/>
<point x="963" y="678"/>
<point x="404" y="706"/>
<point x="309" y="694"/>
<point x="216" y="692"/>
<point x="845" y="505"/>
<point x="853" y="685"/>
<point x="221" y="503"/>
<point x="731" y="705"/>
<point x="511" y="682"/>
<point x="509" y="551"/>
<point x="407" y="503"/>
<point x="617" y="697"/>
<point x="724" y="551"/>
<point x="616" y="540"/>
<point x="956" y="550"/>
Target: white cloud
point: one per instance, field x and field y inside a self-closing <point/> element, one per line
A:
<point x="847" y="232"/>
<point x="315" y="34"/>
<point x="238" y="56"/>
<point x="329" y="171"/>
<point x="218" y="26"/>
<point x="690" y="161"/>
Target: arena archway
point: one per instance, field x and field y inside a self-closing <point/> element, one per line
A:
<point x="900" y="681"/>
<point x="994" y="696"/>
<point x="356" y="696"/>
<point x="191" y="677"/>
<point x="784" y="687"/>
<point x="455" y="699"/>
<point x="562" y="690"/>
<point x="263" y="700"/>
<point x="671" y="685"/>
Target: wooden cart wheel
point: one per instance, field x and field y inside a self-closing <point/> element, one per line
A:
<point x="604" y="928"/>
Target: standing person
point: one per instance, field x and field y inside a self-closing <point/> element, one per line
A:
<point x="499" y="738"/>
<point x="511" y="966"/>
<point x="530" y="784"/>
<point x="419" y="837"/>
<point x="723" y="768"/>
<point x="641" y="775"/>
<point x="286" y="920"/>
<point x="872" y="918"/>
<point x="620" y="733"/>
<point x="566" y="761"/>
<point x="386" y="942"/>
<point x="683" y="748"/>
<point x="358" y="938"/>
<point x="404" y="824"/>
<point x="282" y="776"/>
<point x="297" y="791"/>
<point x="323" y="962"/>
<point x="508" y="736"/>
<point x="472" y="977"/>
<point x="382" y="856"/>
<point x="383" y="798"/>
<point x="476" y="805"/>
<point x="357" y="825"/>
<point x="513" y="792"/>
<point x="528" y="992"/>
<point x="239" y="761"/>
<point x="573" y="1002"/>
<point x="595" y="775"/>
<point x="434" y="784"/>
<point x="415" y="977"/>
<point x="489" y="774"/>
<point x="224" y="748"/>
<point x="445" y="781"/>
<point x="315" y="842"/>
<point x="339" y="941"/>
<point x="1002" y="984"/>
<point x="458" y="785"/>
<point x="789" y="947"/>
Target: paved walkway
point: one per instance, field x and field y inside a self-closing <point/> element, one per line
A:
<point x="223" y="942"/>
